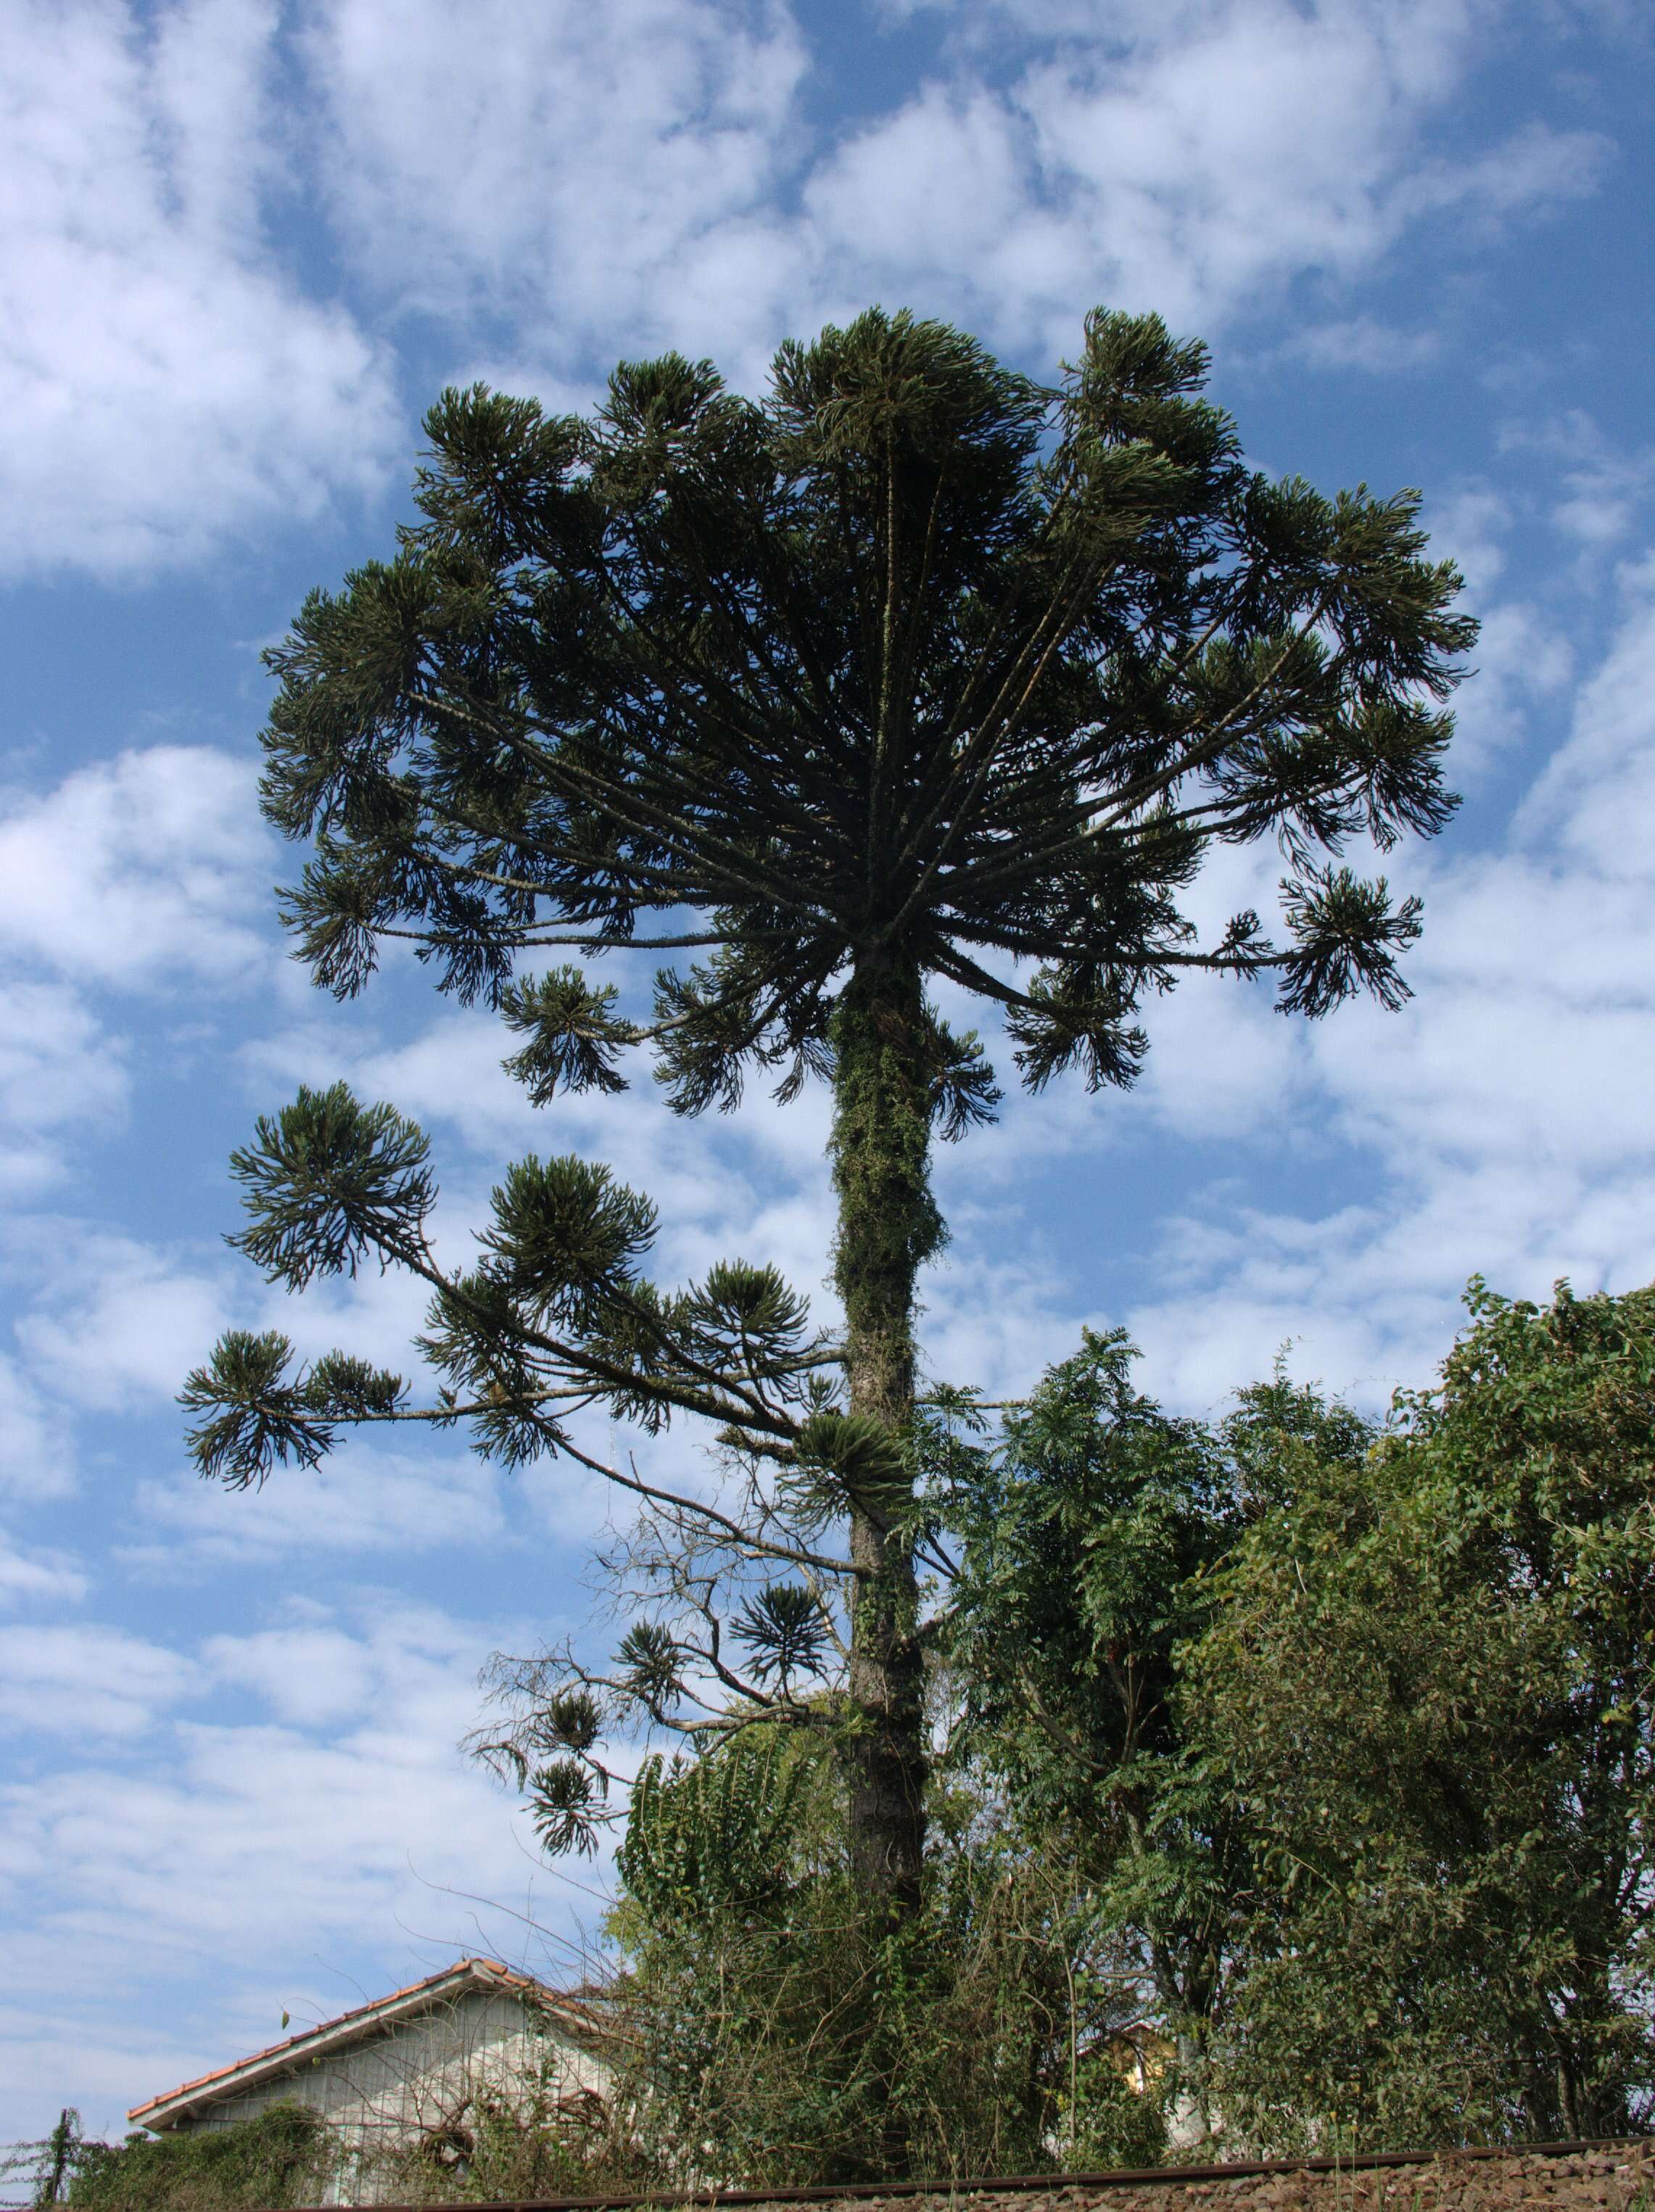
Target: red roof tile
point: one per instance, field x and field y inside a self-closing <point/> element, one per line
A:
<point x="485" y="1970"/>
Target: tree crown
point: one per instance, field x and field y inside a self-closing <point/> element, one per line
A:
<point x="913" y="661"/>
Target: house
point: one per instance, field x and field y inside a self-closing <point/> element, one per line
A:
<point x="1140" y="2053"/>
<point x="1143" y="2054"/>
<point x="409" y="2069"/>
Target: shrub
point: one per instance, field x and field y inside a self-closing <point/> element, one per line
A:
<point x="283" y="2156"/>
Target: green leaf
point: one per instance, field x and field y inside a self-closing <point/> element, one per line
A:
<point x="565" y="1235"/>
<point x="573" y="1034"/>
<point x="785" y="1629"/>
<point x="259" y="1417"/>
<point x="330" y="1181"/>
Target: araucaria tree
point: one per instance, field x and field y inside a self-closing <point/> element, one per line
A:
<point x="914" y="670"/>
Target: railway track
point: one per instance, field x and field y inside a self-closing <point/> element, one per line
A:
<point x="1015" y="2184"/>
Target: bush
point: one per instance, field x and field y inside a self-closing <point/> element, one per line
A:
<point x="775" y="2032"/>
<point x="517" y="2146"/>
<point x="283" y="2156"/>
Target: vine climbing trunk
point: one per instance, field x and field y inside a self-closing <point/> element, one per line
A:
<point x="888" y="1227"/>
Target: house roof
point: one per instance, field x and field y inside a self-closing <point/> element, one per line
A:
<point x="181" y="2104"/>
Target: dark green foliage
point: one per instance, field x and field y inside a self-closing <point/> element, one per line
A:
<point x="549" y="1763"/>
<point x="554" y="1316"/>
<point x="47" y="2167"/>
<point x="1345" y="1732"/>
<point x="723" y="1832"/>
<point x="746" y="1315"/>
<point x="573" y="1034"/>
<point x="1116" y="2126"/>
<point x="651" y="1664"/>
<point x="329" y="1181"/>
<point x="563" y="1800"/>
<point x="1083" y="1532"/>
<point x="964" y="1092"/>
<point x="786" y="1630"/>
<point x="524" y="2145"/>
<point x="261" y="1415"/>
<point x="1427" y="1690"/>
<point x="283" y="2156"/>
<point x="1087" y="1535"/>
<point x="572" y="1720"/>
<point x="914" y="658"/>
<point x="845" y="1459"/>
<point x="777" y="2026"/>
<point x="564" y="1237"/>
<point x="1346" y="937"/>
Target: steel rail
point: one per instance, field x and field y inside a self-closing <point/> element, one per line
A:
<point x="861" y="2192"/>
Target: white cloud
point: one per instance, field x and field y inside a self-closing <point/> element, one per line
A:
<point x="1604" y="502"/>
<point x="36" y="1460"/>
<point x="118" y="1322"/>
<point x="147" y="870"/>
<point x="1526" y="657"/>
<point x="1363" y="342"/>
<point x="1192" y="161"/>
<point x="168" y="382"/>
<point x="58" y="1067"/>
<point x="1523" y="659"/>
<point x="1603" y="491"/>
<point x="563" y="163"/>
<point x="306" y="1675"/>
<point x="594" y="180"/>
<point x="362" y="1498"/>
<point x="29" y="1574"/>
<point x="1597" y="792"/>
<point x="336" y="1827"/>
<point x="1189" y="159"/>
<point x="1470" y="526"/>
<point x="56" y="1064"/>
<point x="75" y="1683"/>
<point x="1535" y="168"/>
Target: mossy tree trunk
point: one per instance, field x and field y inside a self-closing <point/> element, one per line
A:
<point x="888" y="1227"/>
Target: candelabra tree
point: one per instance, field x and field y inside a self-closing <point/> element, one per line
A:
<point x="913" y="672"/>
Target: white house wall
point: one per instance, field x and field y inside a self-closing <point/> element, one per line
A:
<point x="418" y="2075"/>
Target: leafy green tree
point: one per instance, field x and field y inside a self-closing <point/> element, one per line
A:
<point x="1084" y="1868"/>
<point x="914" y="672"/>
<point x="1427" y="1691"/>
<point x="1091" y="1531"/>
<point x="1084" y="1530"/>
<point x="1346" y="1731"/>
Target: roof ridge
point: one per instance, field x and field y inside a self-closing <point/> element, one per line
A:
<point x="493" y="1969"/>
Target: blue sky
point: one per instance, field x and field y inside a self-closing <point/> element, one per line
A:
<point x="243" y="245"/>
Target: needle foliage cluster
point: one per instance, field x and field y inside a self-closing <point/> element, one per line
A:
<point x="914" y="657"/>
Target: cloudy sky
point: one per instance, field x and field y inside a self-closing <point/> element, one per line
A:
<point x="244" y="244"/>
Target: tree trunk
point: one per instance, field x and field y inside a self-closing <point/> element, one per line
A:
<point x="888" y="1227"/>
